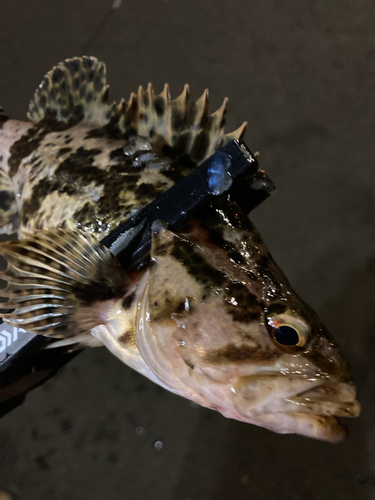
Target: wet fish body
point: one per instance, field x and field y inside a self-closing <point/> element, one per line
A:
<point x="210" y="316"/>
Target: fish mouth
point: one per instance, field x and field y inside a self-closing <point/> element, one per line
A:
<point x="316" y="412"/>
<point x="310" y="408"/>
<point x="328" y="401"/>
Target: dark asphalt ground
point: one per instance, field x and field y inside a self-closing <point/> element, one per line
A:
<point x="302" y="74"/>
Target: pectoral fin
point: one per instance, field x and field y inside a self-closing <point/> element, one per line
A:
<point x="58" y="282"/>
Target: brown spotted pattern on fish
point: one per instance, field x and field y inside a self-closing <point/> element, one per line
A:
<point x="61" y="182"/>
<point x="73" y="91"/>
<point x="210" y="316"/>
<point x="68" y="172"/>
<point x="88" y="183"/>
<point x="9" y="217"/>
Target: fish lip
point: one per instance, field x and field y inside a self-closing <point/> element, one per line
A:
<point x="323" y="428"/>
<point x="338" y="400"/>
<point x="327" y="428"/>
<point x="327" y="406"/>
<point x="309" y="405"/>
<point x="344" y="409"/>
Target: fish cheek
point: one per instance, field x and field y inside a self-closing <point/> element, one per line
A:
<point x="252" y="391"/>
<point x="210" y="342"/>
<point x="241" y="354"/>
<point x="171" y="292"/>
<point x="172" y="289"/>
<point x="209" y="330"/>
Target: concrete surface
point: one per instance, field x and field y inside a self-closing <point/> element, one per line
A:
<point x="302" y="74"/>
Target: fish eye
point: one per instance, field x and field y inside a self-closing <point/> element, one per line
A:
<point x="288" y="331"/>
<point x="286" y="335"/>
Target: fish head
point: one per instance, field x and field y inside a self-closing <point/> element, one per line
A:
<point x="305" y="384"/>
<point x="220" y="324"/>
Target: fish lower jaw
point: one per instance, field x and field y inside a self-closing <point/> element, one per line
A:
<point x="323" y="428"/>
<point x="309" y="407"/>
<point x="318" y="427"/>
<point x="315" y="419"/>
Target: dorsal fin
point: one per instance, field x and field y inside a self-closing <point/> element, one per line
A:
<point x="183" y="124"/>
<point x="75" y="90"/>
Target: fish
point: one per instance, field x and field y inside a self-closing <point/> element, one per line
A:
<point x="208" y="315"/>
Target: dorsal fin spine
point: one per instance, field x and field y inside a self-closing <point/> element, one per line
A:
<point x="154" y="116"/>
<point x="76" y="90"/>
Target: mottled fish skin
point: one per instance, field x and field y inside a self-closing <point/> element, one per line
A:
<point x="69" y="167"/>
<point x="74" y="178"/>
<point x="212" y="293"/>
<point x="202" y="317"/>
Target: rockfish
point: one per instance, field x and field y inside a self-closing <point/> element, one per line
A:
<point x="209" y="315"/>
